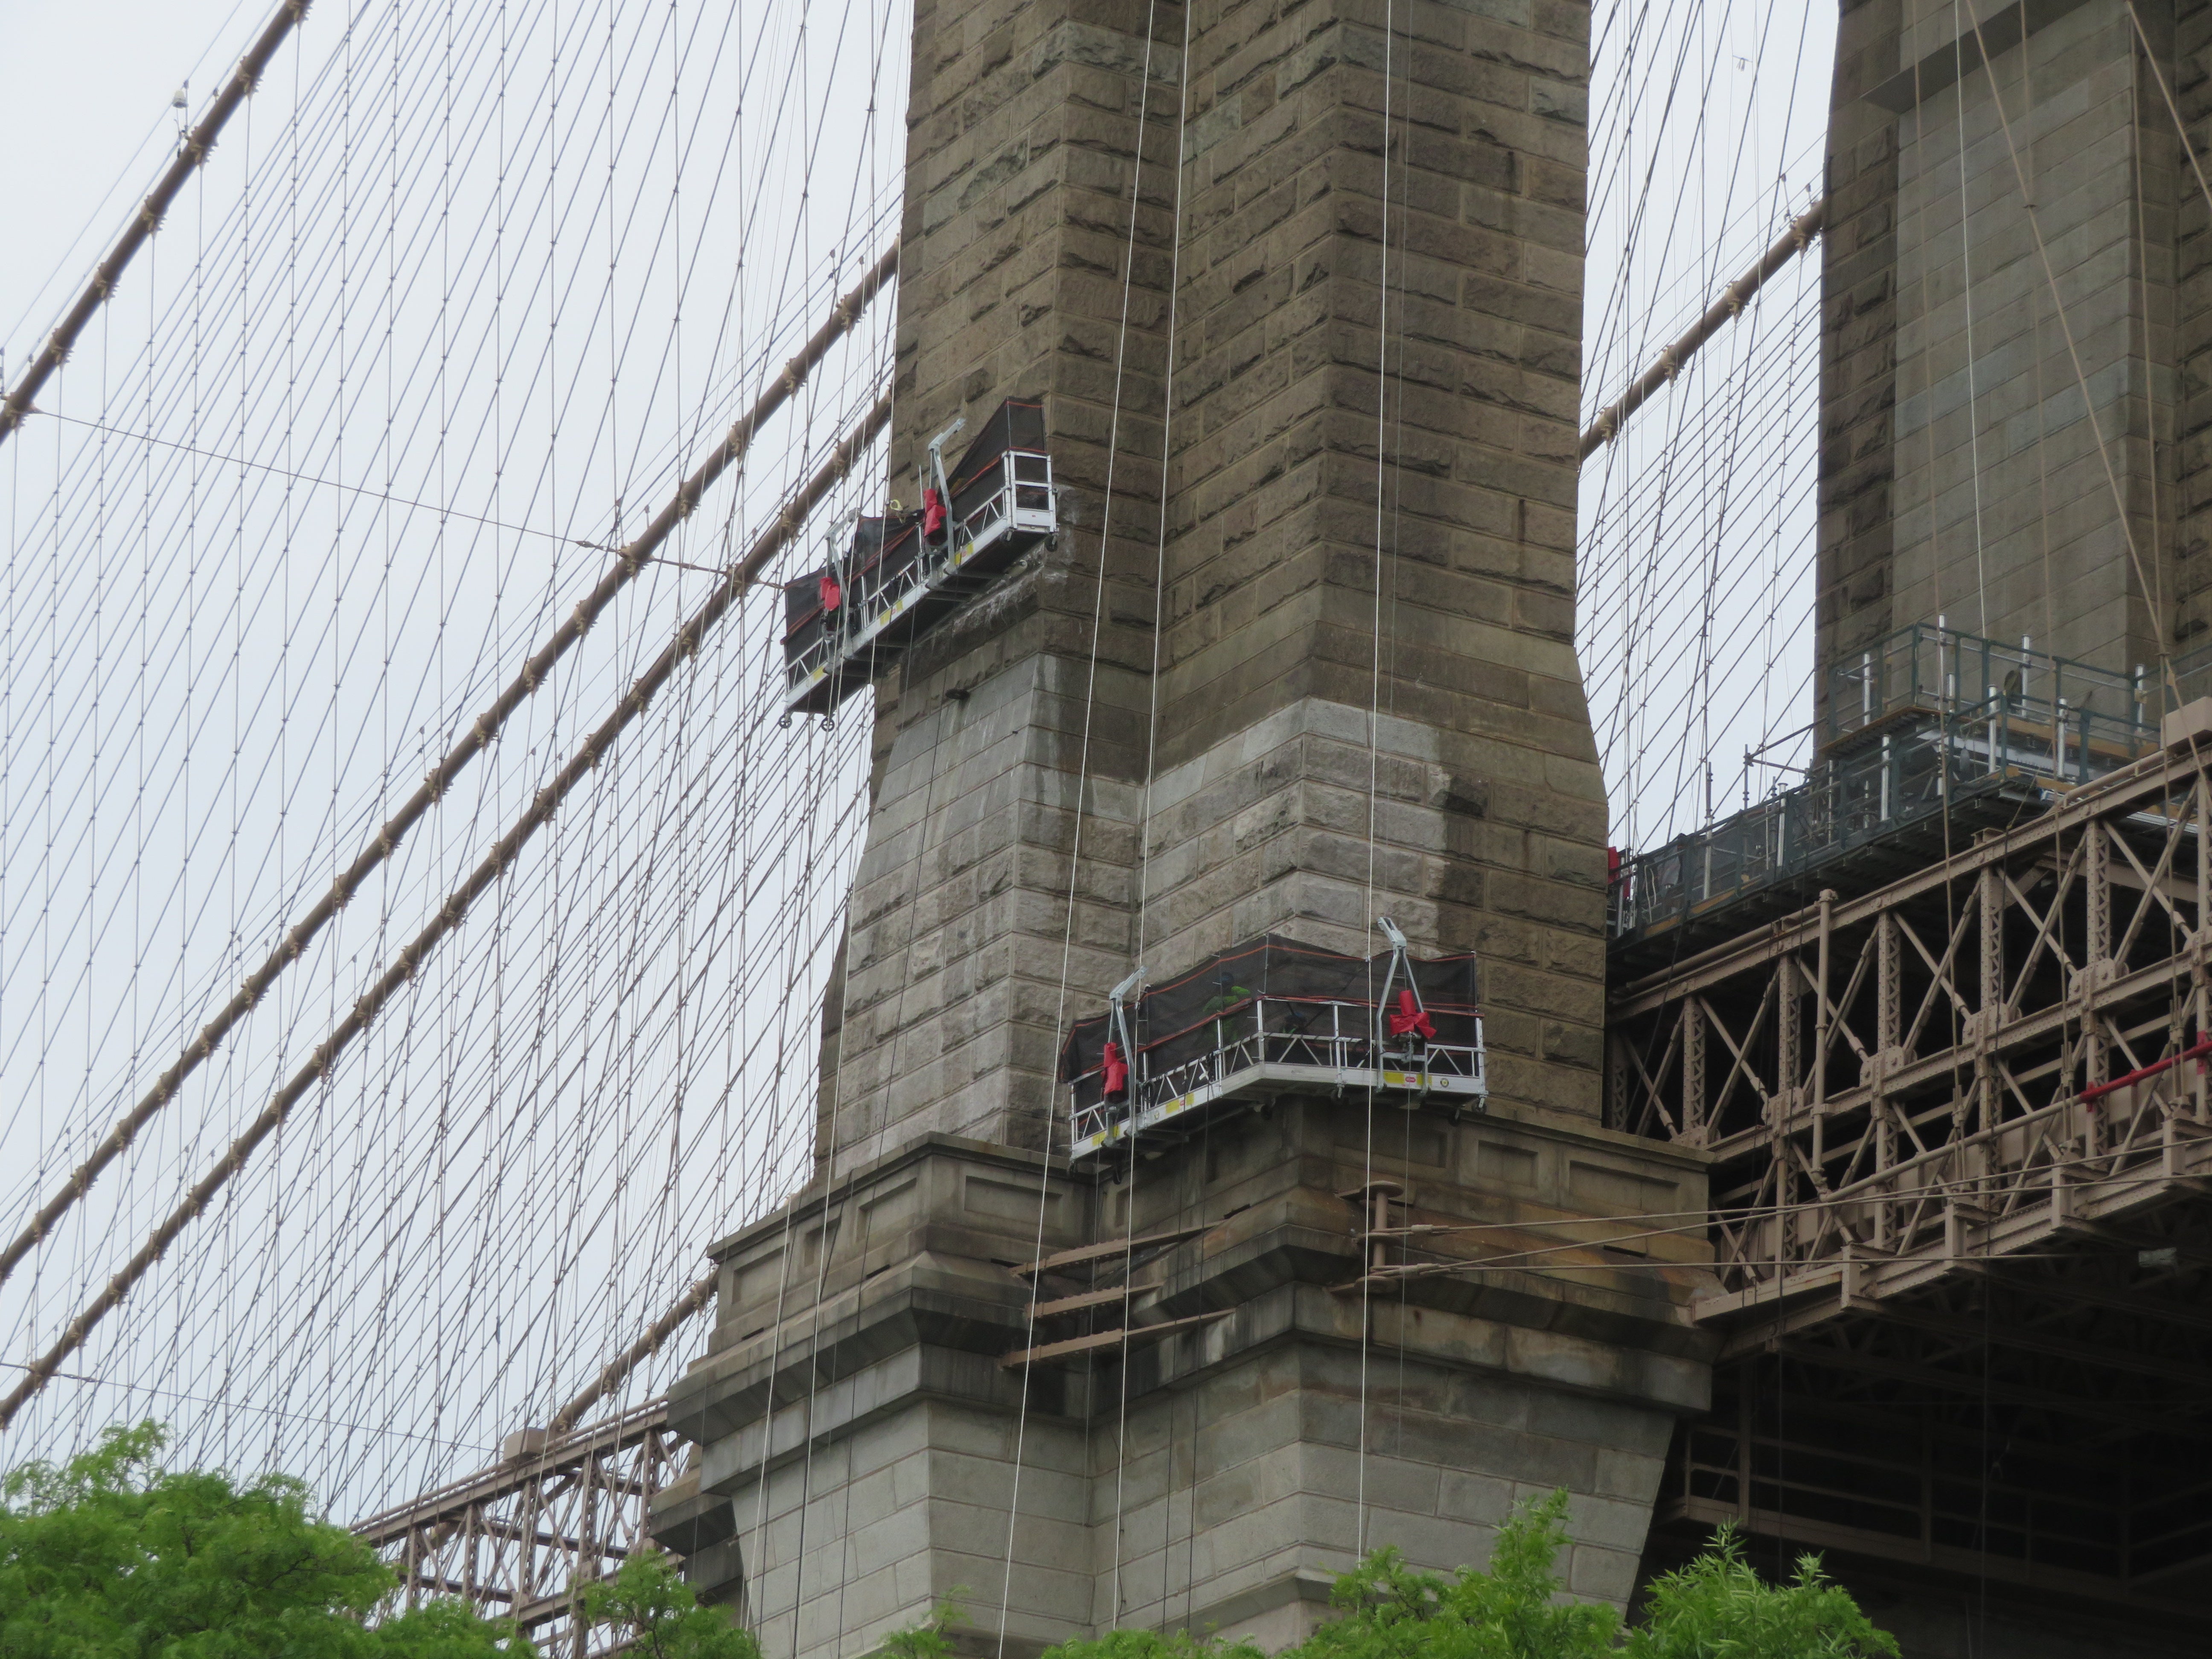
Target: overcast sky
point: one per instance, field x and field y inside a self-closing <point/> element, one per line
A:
<point x="88" y="86"/>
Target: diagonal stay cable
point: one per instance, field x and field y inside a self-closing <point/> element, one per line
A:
<point x="781" y="531"/>
<point x="148" y="220"/>
<point x="632" y="559"/>
<point x="1800" y="236"/>
<point x="612" y="1376"/>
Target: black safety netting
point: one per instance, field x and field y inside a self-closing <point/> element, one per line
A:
<point x="1281" y="991"/>
<point x="1016" y="424"/>
<point x="883" y="547"/>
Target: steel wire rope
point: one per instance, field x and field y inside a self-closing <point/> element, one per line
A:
<point x="1082" y="785"/>
<point x="693" y="1298"/>
<point x="1145" y="816"/>
<point x="1367" y="1191"/>
<point x="827" y="1237"/>
<point x="2074" y="356"/>
<point x="578" y="1403"/>
<point x="627" y="566"/>
<point x="1704" y="638"/>
<point x="1634" y="792"/>
<point x="485" y="873"/>
<point x="877" y="57"/>
<point x="1611" y="722"/>
<point x="144" y="224"/>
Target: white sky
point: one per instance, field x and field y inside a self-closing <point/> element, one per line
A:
<point x="88" y="86"/>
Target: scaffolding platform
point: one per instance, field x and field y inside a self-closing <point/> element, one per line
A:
<point x="1274" y="1017"/>
<point x="901" y="574"/>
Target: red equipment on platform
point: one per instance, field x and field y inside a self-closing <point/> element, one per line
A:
<point x="1113" y="1073"/>
<point x="1409" y="1018"/>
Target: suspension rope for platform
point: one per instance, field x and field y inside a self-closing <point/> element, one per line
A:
<point x="1151" y="763"/>
<point x="1367" y="1187"/>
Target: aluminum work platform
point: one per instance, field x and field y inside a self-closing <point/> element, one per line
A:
<point x="1269" y="1018"/>
<point x="1927" y="738"/>
<point x="901" y="574"/>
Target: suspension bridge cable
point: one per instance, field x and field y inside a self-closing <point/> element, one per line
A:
<point x="581" y="765"/>
<point x="1794" y="242"/>
<point x="194" y="149"/>
<point x="628" y="565"/>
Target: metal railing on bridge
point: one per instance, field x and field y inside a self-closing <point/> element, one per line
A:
<point x="1929" y="726"/>
<point x="1274" y="1017"/>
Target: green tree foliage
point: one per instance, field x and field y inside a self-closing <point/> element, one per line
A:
<point x="1149" y="1644"/>
<point x="1389" y="1611"/>
<point x="933" y="1638"/>
<point x="655" y="1609"/>
<point x="108" y="1556"/>
<point x="1716" y="1608"/>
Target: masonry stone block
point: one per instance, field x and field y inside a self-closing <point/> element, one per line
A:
<point x="1057" y="789"/>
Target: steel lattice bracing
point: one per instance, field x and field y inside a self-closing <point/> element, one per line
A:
<point x="523" y="1538"/>
<point x="1962" y="1145"/>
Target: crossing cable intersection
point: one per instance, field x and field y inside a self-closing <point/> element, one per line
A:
<point x="630" y="562"/>
<point x="683" y="646"/>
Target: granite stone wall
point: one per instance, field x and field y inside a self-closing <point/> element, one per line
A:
<point x="1999" y="364"/>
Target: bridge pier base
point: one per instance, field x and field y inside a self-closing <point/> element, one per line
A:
<point x="1221" y="1475"/>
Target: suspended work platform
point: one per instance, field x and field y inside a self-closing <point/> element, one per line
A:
<point x="902" y="573"/>
<point x="1269" y="1018"/>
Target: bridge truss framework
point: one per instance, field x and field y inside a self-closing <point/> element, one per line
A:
<point x="524" y="1539"/>
<point x="1962" y="1154"/>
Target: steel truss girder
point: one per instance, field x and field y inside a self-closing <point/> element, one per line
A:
<point x="522" y="1539"/>
<point x="1985" y="1059"/>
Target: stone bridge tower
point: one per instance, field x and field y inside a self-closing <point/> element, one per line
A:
<point x="1301" y="297"/>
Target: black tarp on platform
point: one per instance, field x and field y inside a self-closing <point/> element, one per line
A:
<point x="1175" y="1022"/>
<point x="1016" y="424"/>
<point x="882" y="548"/>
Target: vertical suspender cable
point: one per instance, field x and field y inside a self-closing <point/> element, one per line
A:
<point x="632" y="559"/>
<point x="1374" y="746"/>
<point x="581" y="765"/>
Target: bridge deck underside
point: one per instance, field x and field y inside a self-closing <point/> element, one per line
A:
<point x="1962" y="1204"/>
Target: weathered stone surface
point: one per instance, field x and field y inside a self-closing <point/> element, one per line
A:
<point x="1352" y="536"/>
<point x="864" y="1453"/>
<point x="2000" y="383"/>
<point x="1303" y="655"/>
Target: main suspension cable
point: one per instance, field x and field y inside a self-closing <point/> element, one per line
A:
<point x="194" y="149"/>
<point x="581" y="765"/>
<point x="481" y="734"/>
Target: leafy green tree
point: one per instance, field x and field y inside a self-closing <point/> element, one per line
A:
<point x="109" y="1557"/>
<point x="1149" y="1644"/>
<point x="933" y="1638"/>
<point x="1510" y="1612"/>
<point x="1716" y="1608"/>
<point x="655" y="1609"/>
